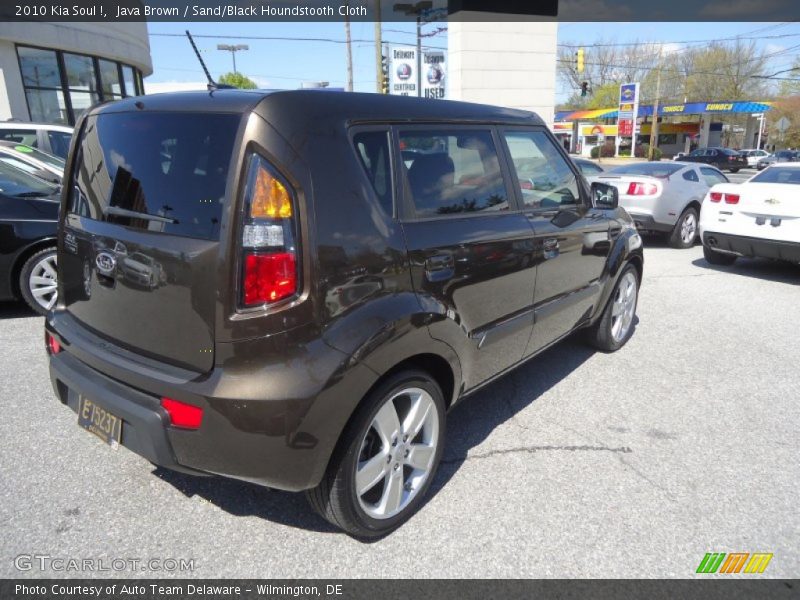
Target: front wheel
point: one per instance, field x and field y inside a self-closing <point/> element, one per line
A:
<point x="615" y="327"/>
<point x="38" y="281"/>
<point x="386" y="457"/>
<point x="685" y="231"/>
<point x="734" y="170"/>
<point x="718" y="258"/>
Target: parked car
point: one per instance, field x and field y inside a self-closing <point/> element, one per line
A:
<point x="244" y="361"/>
<point x="758" y="218"/>
<point x="28" y="225"/>
<point x="38" y="163"/>
<point x="679" y="155"/>
<point x="722" y="158"/>
<point x="753" y="155"/>
<point x="664" y="197"/>
<point x="588" y="167"/>
<point x="766" y="161"/>
<point x="47" y="137"/>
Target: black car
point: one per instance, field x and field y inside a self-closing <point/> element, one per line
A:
<point x="319" y="277"/>
<point x="722" y="158"/>
<point x="28" y="226"/>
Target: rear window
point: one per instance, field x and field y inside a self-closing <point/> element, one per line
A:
<point x="163" y="172"/>
<point x="651" y="169"/>
<point x="729" y="152"/>
<point x="778" y="175"/>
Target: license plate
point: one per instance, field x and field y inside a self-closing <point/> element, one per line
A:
<point x="100" y="422"/>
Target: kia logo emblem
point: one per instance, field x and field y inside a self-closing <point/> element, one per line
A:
<point x="105" y="263"/>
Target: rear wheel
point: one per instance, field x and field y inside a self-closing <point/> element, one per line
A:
<point x="386" y="458"/>
<point x="718" y="258"/>
<point x="38" y="281"/>
<point x="734" y="170"/>
<point x="685" y="231"/>
<point x="615" y="327"/>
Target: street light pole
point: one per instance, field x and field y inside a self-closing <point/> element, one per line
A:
<point x="378" y="47"/>
<point x="233" y="49"/>
<point x="417" y="10"/>
<point x="654" y="129"/>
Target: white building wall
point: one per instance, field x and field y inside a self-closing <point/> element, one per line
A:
<point x="504" y="63"/>
<point x="125" y="42"/>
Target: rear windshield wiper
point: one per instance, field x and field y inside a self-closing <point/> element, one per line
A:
<point x="122" y="212"/>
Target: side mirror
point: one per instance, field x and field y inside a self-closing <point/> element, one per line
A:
<point x="604" y="195"/>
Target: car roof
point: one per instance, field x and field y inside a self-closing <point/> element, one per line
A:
<point x="786" y="165"/>
<point x="24" y="125"/>
<point x="322" y="104"/>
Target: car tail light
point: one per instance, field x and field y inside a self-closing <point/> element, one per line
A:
<point x="525" y="185"/>
<point x="715" y="196"/>
<point x="53" y="346"/>
<point x="185" y="416"/>
<point x="269" y="255"/>
<point x="642" y="189"/>
<point x="731" y="198"/>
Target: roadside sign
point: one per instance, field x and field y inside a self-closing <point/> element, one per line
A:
<point x="627" y="112"/>
<point x="783" y="124"/>
<point x="433" y="74"/>
<point x="403" y="71"/>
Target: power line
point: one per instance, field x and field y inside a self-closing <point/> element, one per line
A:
<point x="289" y="39"/>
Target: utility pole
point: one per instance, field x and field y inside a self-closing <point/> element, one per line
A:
<point x="654" y="129"/>
<point x="378" y="48"/>
<point x="349" y="50"/>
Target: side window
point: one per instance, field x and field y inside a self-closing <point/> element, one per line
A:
<point x="691" y="175"/>
<point x="545" y="178"/>
<point x="712" y="177"/>
<point x="373" y="151"/>
<point x="19" y="136"/>
<point x="589" y="169"/>
<point x="59" y="143"/>
<point x="452" y="171"/>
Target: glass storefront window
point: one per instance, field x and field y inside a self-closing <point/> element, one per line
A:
<point x="39" y="68"/>
<point x="109" y="79"/>
<point x="62" y="97"/>
<point x="47" y="106"/>
<point x="130" y="80"/>
<point x="80" y="72"/>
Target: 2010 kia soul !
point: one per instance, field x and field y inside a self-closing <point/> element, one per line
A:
<point x="293" y="288"/>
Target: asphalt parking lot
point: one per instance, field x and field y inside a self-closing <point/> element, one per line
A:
<point x="579" y="464"/>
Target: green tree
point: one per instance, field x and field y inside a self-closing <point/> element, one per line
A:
<point x="791" y="85"/>
<point x="237" y="80"/>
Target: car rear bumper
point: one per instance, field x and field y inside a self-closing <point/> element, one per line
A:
<point x="752" y="247"/>
<point x="276" y="427"/>
<point x="648" y="223"/>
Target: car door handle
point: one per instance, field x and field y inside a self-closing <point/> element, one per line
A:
<point x="550" y="248"/>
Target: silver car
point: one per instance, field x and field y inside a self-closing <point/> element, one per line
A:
<point x="664" y="196"/>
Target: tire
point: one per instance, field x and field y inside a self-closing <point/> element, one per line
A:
<point x="364" y="442"/>
<point x="38" y="279"/>
<point x="734" y="170"/>
<point x="609" y="333"/>
<point x="718" y="258"/>
<point x="684" y="233"/>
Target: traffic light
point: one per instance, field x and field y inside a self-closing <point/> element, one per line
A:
<point x="579" y="64"/>
<point x="384" y="74"/>
<point x="584" y="88"/>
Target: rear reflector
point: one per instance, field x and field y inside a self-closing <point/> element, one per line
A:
<point x="53" y="347"/>
<point x="186" y="416"/>
<point x="715" y="196"/>
<point x="269" y="277"/>
<point x="642" y="189"/>
<point x="731" y="198"/>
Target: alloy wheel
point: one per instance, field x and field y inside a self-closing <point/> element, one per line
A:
<point x="43" y="282"/>
<point x="689" y="228"/>
<point x="624" y="306"/>
<point x="397" y="453"/>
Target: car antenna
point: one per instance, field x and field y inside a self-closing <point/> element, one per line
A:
<point x="212" y="85"/>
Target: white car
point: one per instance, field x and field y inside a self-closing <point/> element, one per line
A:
<point x="760" y="217"/>
<point x="47" y="137"/>
<point x="664" y="196"/>
<point x="753" y="156"/>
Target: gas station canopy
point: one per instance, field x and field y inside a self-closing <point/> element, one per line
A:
<point x="689" y="108"/>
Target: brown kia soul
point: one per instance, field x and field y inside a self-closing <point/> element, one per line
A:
<point x="293" y="288"/>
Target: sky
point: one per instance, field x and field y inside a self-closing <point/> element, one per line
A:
<point x="282" y="64"/>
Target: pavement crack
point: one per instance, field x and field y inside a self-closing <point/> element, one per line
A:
<point x="534" y="449"/>
<point x="644" y="477"/>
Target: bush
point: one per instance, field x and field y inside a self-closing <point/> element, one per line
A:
<point x="643" y="151"/>
<point x="595" y="153"/>
<point x="604" y="151"/>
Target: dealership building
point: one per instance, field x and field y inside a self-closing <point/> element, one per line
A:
<point x="53" y="72"/>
